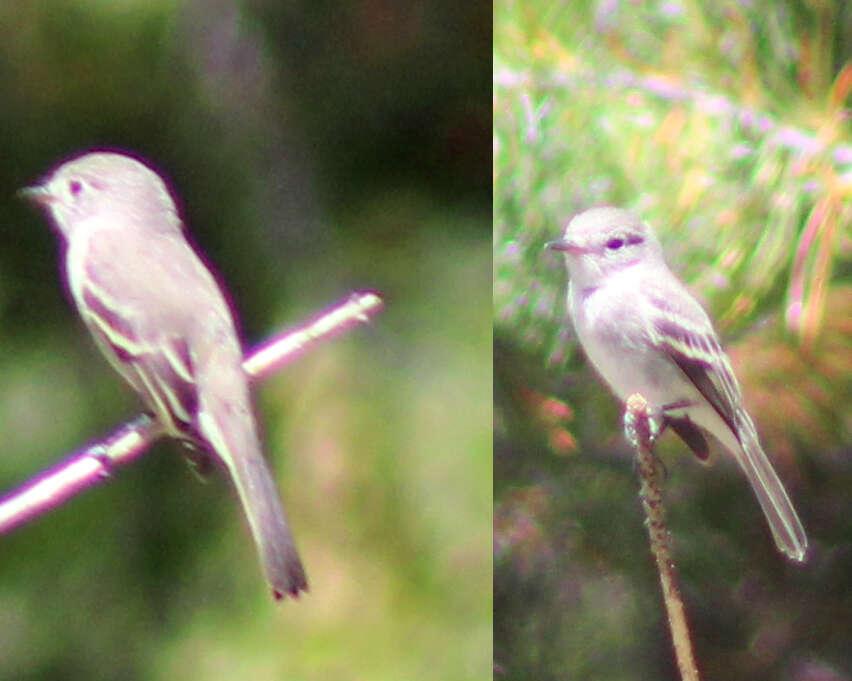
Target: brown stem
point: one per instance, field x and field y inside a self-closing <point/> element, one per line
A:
<point x="639" y="425"/>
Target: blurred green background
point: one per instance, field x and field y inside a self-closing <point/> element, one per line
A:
<point x="726" y="126"/>
<point x="316" y="149"/>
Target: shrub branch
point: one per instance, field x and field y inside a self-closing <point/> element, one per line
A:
<point x="94" y="463"/>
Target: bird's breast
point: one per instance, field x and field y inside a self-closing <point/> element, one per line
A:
<point x="612" y="329"/>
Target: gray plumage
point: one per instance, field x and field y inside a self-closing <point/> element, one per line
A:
<point x="645" y="333"/>
<point x="159" y="316"/>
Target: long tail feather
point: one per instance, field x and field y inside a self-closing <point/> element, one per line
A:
<point x="782" y="518"/>
<point x="232" y="434"/>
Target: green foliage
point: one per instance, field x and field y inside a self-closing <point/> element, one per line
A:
<point x="725" y="125"/>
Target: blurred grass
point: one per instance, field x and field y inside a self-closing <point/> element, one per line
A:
<point x="403" y="518"/>
<point x="726" y="127"/>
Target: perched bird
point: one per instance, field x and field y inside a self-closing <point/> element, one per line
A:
<point x="160" y="318"/>
<point x="644" y="333"/>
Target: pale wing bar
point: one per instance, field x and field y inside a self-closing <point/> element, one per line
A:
<point x="160" y="368"/>
<point x="701" y="358"/>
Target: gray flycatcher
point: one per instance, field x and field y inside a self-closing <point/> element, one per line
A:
<point x="645" y="333"/>
<point x="160" y="318"/>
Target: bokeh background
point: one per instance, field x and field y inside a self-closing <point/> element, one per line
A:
<point x="316" y="149"/>
<point x="726" y="126"/>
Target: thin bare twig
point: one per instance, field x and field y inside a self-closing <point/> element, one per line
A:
<point x="641" y="431"/>
<point x="95" y="463"/>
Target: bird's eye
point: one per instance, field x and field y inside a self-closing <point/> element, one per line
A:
<point x="75" y="187"/>
<point x="614" y="244"/>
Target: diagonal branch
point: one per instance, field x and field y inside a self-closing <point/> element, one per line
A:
<point x="95" y="463"/>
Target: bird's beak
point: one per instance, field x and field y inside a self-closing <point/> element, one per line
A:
<point x="565" y="245"/>
<point x="38" y="194"/>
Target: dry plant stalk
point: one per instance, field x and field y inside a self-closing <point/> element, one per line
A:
<point x="641" y="432"/>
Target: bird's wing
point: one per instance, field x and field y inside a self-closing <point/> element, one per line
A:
<point x="140" y="313"/>
<point x="690" y="434"/>
<point x="680" y="328"/>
